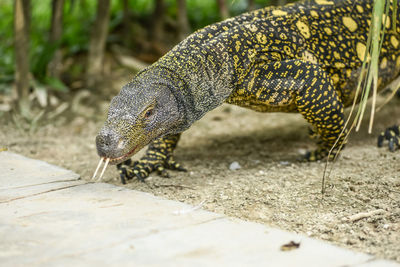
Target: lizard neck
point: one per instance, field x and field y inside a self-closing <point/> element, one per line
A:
<point x="202" y="80"/>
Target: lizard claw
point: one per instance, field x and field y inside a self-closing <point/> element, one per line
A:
<point x="392" y="135"/>
<point x="173" y="165"/>
<point x="162" y="171"/>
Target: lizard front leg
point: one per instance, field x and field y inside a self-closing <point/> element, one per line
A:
<point x="158" y="157"/>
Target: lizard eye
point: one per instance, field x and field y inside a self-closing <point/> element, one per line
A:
<point x="148" y="113"/>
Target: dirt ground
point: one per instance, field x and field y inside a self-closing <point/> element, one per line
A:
<point x="271" y="187"/>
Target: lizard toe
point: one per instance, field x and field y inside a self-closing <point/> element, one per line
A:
<point x="140" y="173"/>
<point x="174" y="165"/>
<point x="125" y="170"/>
<point x="392" y="135"/>
<point x="162" y="171"/>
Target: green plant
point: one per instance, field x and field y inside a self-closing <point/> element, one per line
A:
<point x="368" y="79"/>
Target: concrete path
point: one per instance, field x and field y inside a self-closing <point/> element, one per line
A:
<point x="48" y="217"/>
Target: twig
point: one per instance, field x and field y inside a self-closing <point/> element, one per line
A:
<point x="173" y="185"/>
<point x="394" y="191"/>
<point x="128" y="61"/>
<point x="363" y="215"/>
<point x="395" y="86"/>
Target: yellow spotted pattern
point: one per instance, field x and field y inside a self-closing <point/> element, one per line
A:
<point x="350" y="23"/>
<point x="303" y="57"/>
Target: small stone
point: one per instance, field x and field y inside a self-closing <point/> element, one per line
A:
<point x="261" y="172"/>
<point x="224" y="197"/>
<point x="302" y="151"/>
<point x="234" y="166"/>
<point x="284" y="163"/>
<point x="5" y="107"/>
<point x="385" y="226"/>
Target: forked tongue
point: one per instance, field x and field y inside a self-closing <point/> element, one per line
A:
<point x="98" y="167"/>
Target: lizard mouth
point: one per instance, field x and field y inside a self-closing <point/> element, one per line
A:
<point x="123" y="157"/>
<point x="112" y="161"/>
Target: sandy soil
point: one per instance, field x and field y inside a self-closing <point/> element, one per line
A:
<point x="271" y="187"/>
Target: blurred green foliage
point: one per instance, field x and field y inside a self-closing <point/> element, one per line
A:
<point x="78" y="17"/>
<point x="6" y="44"/>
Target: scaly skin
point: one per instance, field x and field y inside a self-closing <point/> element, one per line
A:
<point x="303" y="57"/>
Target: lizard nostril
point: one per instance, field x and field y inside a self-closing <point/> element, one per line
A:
<point x="105" y="142"/>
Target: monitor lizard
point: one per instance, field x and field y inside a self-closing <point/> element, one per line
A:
<point x="303" y="57"/>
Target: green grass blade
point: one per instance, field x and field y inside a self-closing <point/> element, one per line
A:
<point x="376" y="43"/>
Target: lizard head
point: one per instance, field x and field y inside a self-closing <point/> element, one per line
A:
<point x="145" y="109"/>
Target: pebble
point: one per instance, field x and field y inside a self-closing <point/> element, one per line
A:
<point x="224" y="197"/>
<point x="302" y="151"/>
<point x="234" y="166"/>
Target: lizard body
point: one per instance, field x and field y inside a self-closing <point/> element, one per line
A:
<point x="304" y="57"/>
